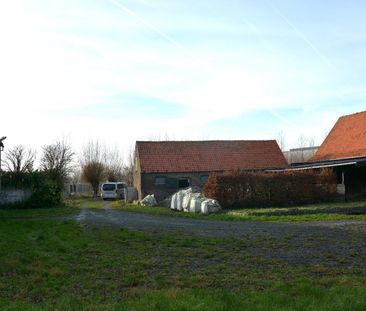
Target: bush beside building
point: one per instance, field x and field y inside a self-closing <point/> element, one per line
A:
<point x="244" y="189"/>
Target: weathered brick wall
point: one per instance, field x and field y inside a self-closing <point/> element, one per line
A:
<point x="161" y="192"/>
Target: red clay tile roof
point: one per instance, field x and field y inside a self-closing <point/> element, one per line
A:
<point x="208" y="156"/>
<point x="347" y="139"/>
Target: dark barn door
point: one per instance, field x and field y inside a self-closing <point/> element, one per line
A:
<point x="183" y="183"/>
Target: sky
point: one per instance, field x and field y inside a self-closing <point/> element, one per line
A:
<point x="126" y="70"/>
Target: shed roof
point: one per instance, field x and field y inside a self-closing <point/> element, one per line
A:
<point x="208" y="156"/>
<point x="346" y="140"/>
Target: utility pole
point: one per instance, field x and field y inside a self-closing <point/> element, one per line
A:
<point x="1" y="149"/>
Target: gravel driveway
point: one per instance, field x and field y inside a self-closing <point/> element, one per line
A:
<point x="212" y="228"/>
<point x="330" y="243"/>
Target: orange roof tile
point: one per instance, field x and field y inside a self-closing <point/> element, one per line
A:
<point x="347" y="139"/>
<point x="208" y="156"/>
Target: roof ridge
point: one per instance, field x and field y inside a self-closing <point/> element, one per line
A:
<point x="200" y="141"/>
<point x="352" y="114"/>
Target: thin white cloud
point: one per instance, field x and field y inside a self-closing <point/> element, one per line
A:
<point x="146" y="23"/>
<point x="298" y="32"/>
<point x="53" y="59"/>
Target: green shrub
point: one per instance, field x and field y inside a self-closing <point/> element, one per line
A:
<point x="45" y="191"/>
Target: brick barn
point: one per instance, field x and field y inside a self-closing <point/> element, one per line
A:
<point x="344" y="150"/>
<point x="164" y="167"/>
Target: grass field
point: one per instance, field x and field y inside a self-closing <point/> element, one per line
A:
<point x="49" y="264"/>
<point x="330" y="211"/>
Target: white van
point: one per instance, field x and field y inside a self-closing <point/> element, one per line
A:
<point x="113" y="190"/>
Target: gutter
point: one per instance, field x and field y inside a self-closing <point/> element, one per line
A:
<point x="310" y="167"/>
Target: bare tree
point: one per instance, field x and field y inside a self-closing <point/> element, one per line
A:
<point x="281" y="140"/>
<point x="302" y="154"/>
<point x="302" y="141"/>
<point x="128" y="168"/>
<point x="99" y="164"/>
<point x="75" y="175"/>
<point x="114" y="165"/>
<point x="57" y="160"/>
<point x="160" y="137"/>
<point x="311" y="142"/>
<point x="93" y="172"/>
<point x="93" y="167"/>
<point x="19" y="159"/>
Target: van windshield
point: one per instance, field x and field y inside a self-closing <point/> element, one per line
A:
<point x="109" y="187"/>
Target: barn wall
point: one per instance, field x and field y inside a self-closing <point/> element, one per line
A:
<point x="148" y="185"/>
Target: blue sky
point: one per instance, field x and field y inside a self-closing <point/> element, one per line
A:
<point x="123" y="70"/>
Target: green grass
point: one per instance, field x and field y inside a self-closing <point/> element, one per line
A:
<point x="330" y="211"/>
<point x="303" y="297"/>
<point x="41" y="212"/>
<point x="70" y="207"/>
<point x="96" y="204"/>
<point x="48" y="265"/>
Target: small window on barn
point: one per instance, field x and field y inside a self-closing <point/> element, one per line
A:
<point x="204" y="178"/>
<point x="160" y="180"/>
<point x="183" y="183"/>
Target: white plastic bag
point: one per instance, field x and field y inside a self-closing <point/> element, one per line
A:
<point x="195" y="204"/>
<point x="179" y="201"/>
<point x="149" y="200"/>
<point x="173" y="202"/>
<point x="210" y="206"/>
<point x="186" y="200"/>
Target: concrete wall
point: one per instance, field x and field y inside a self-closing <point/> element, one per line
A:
<point x="131" y="194"/>
<point x="300" y="155"/>
<point x="78" y="188"/>
<point x="14" y="196"/>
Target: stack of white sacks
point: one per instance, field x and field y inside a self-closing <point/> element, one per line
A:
<point x="188" y="201"/>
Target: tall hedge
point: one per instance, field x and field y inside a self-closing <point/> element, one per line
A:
<point x="45" y="191"/>
<point x="244" y="189"/>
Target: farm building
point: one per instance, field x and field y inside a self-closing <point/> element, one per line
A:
<point x="162" y="168"/>
<point x="344" y="150"/>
